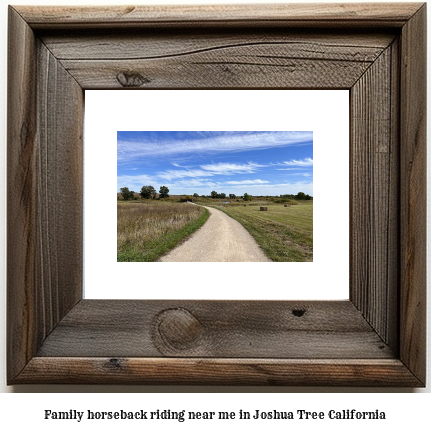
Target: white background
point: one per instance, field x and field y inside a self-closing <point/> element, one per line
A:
<point x="22" y="410"/>
<point x="324" y="112"/>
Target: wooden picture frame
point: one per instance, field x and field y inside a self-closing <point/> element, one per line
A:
<point x="376" y="338"/>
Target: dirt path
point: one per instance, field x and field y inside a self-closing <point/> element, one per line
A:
<point x="221" y="239"/>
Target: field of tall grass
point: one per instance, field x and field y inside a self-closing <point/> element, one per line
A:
<point x="146" y="230"/>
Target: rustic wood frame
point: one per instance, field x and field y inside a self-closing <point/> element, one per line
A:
<point x="376" y="338"/>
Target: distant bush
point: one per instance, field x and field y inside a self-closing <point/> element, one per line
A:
<point x="285" y="201"/>
<point x="303" y="196"/>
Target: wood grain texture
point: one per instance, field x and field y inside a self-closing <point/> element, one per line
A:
<point x="374" y="195"/>
<point x="21" y="204"/>
<point x="59" y="182"/>
<point x="45" y="106"/>
<point x="413" y="194"/>
<point x="300" y="14"/>
<point x="217" y="371"/>
<point x="241" y="329"/>
<point x="209" y="59"/>
<point x="55" y="337"/>
<point x="206" y="60"/>
<point x="232" y="69"/>
<point x="347" y="45"/>
<point x="391" y="295"/>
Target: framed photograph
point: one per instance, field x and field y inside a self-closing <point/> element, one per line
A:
<point x="248" y="142"/>
<point x="376" y="337"/>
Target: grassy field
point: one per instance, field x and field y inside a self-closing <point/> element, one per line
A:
<point x="284" y="233"/>
<point x="147" y="229"/>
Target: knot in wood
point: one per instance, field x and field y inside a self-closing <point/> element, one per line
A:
<point x="298" y="312"/>
<point x="131" y="79"/>
<point x="115" y="363"/>
<point x="179" y="329"/>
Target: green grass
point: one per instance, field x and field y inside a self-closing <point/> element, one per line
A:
<point x="147" y="230"/>
<point x="284" y="233"/>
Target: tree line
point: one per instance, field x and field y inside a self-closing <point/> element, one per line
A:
<point x="147" y="192"/>
<point x="246" y="197"/>
<point x="299" y="196"/>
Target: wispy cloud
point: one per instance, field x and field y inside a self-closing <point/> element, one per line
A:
<point x="231" y="168"/>
<point x="307" y="162"/>
<point x="264" y="188"/>
<point x="275" y="188"/>
<point x="211" y="170"/>
<point x="176" y="164"/>
<point x="302" y="174"/>
<point x="175" y="174"/>
<point x="290" y="169"/>
<point x="246" y="182"/>
<point x="151" y="145"/>
<point x="192" y="182"/>
<point x="189" y="161"/>
<point x="134" y="182"/>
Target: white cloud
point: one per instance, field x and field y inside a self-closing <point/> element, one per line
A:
<point x="211" y="170"/>
<point x="175" y="174"/>
<point x="135" y="182"/>
<point x="230" y="168"/>
<point x="299" y="163"/>
<point x="193" y="182"/>
<point x="246" y="182"/>
<point x="208" y="142"/>
<point x="184" y="179"/>
<point x="299" y="174"/>
<point x="275" y="189"/>
<point x="290" y="169"/>
<point x="254" y="187"/>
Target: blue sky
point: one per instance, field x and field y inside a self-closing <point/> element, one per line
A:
<point x="257" y="163"/>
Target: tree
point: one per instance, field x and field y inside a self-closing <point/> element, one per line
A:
<point x="148" y="192"/>
<point x="222" y="195"/>
<point x="214" y="194"/>
<point x="247" y="197"/>
<point x="232" y="196"/>
<point x="300" y="196"/>
<point x="195" y="195"/>
<point x="126" y="193"/>
<point x="163" y="192"/>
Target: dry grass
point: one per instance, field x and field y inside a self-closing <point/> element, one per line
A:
<point x="143" y="228"/>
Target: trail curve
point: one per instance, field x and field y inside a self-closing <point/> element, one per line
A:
<point x="220" y="239"/>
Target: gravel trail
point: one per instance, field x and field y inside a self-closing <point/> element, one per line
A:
<point x="220" y="239"/>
